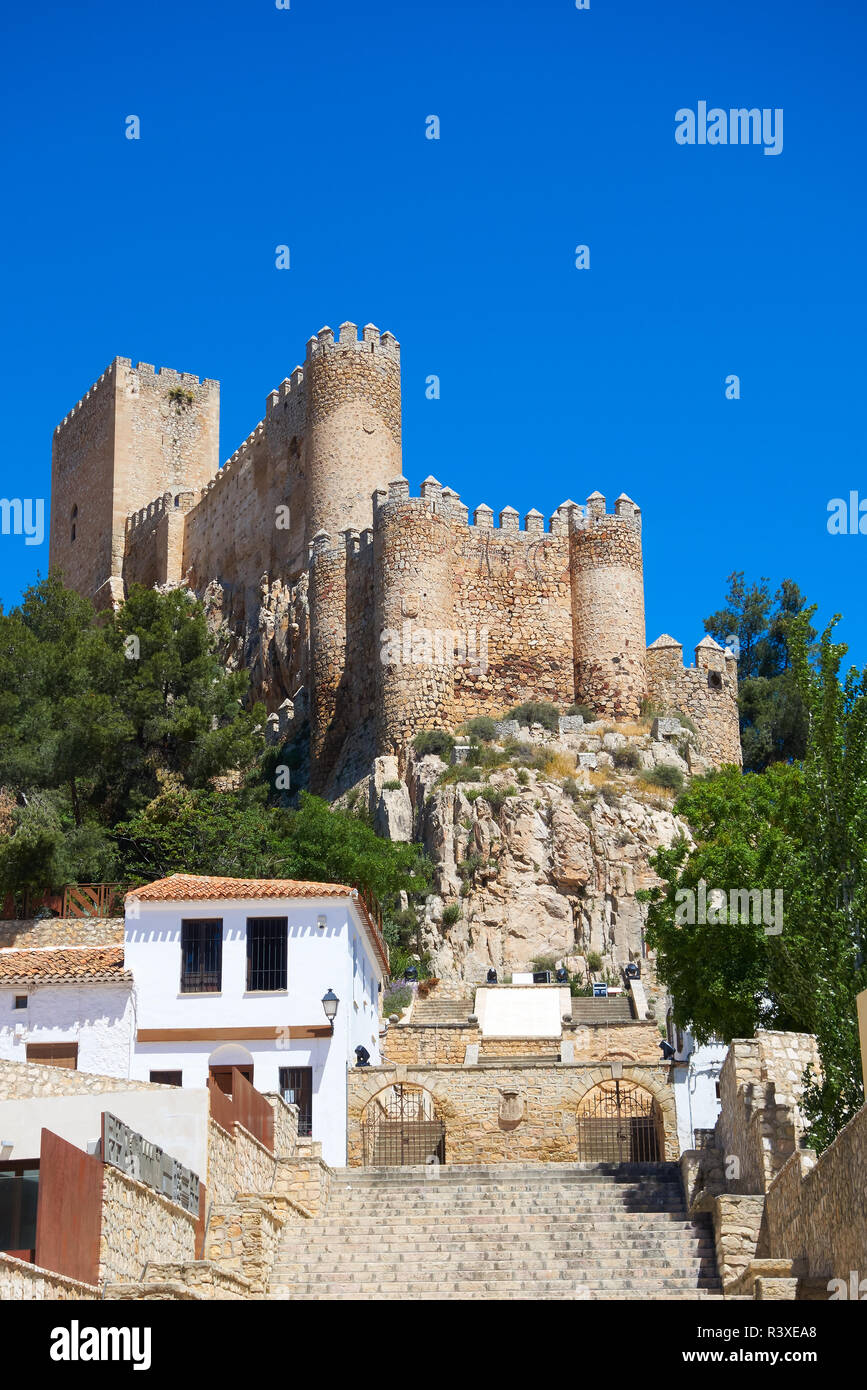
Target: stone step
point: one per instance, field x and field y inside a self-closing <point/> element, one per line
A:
<point x="533" y="1288"/>
<point x="506" y="1172"/>
<point x="524" y="1294"/>
<point x="615" y="1009"/>
<point x="532" y="1231"/>
<point x="441" y="1010"/>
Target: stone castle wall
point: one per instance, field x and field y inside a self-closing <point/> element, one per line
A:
<point x="308" y="551"/>
<point x="707" y="693"/>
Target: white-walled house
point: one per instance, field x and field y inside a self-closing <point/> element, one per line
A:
<point x="232" y="972"/>
<point x="69" y="1006"/>
<point x="695" y="1069"/>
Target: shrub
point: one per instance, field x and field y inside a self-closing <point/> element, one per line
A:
<point x="467" y="867"/>
<point x="393" y="786"/>
<point x="571" y="788"/>
<point x="537" y="712"/>
<point x="545" y="962"/>
<point x="434" y="741"/>
<point x="667" y="775"/>
<point x="451" y="914"/>
<point x="610" y="796"/>
<point x="594" y="960"/>
<point x="523" y="777"/>
<point x="627" y="757"/>
<point x="584" y="710"/>
<point x="482" y="727"/>
<point x="497" y="796"/>
<point x="395" y="1000"/>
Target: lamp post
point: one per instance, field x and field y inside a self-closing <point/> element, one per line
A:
<point x="329" y="1004"/>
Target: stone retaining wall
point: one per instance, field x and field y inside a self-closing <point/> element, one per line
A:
<point x="21" y="1281"/>
<point x="502" y="1114"/>
<point x="61" y="931"/>
<point x="815" y="1209"/>
<point x="139" y="1226"/>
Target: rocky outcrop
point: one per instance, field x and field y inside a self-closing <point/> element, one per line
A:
<point x="538" y="861"/>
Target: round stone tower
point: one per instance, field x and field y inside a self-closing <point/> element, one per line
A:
<point x="413" y="562"/>
<point x="608" y="607"/>
<point x="352" y="442"/>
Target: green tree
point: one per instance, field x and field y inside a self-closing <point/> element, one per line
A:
<point x="94" y="709"/>
<point x="773" y="719"/>
<point x="237" y="835"/>
<point x="799" y="829"/>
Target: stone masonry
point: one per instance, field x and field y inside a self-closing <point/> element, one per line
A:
<point x="363" y="614"/>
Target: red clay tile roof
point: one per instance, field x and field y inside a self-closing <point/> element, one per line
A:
<point x="194" y="887"/>
<point x="50" y="965"/>
<point x="183" y="888"/>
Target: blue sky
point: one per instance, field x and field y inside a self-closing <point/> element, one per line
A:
<point x="306" y="127"/>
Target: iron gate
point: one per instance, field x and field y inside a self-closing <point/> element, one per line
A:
<point x="619" y="1122"/>
<point x="401" y="1128"/>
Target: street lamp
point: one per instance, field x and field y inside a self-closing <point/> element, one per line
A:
<point x="329" y="1004"/>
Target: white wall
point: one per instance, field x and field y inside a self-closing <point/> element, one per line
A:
<point x="522" y="1011"/>
<point x="696" y="1072"/>
<point x="336" y="957"/>
<point x="97" y="1016"/>
<point x="175" y="1120"/>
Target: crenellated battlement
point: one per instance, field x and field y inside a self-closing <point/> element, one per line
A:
<point x="288" y="389"/>
<point x="146" y="372"/>
<point x="371" y="342"/>
<point x="167" y="502"/>
<point x="444" y="501"/>
<point x="108" y="378"/>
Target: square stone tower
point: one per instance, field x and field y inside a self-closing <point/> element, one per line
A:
<point x="138" y="433"/>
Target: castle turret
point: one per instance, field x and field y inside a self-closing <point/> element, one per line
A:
<point x="414" y="605"/>
<point x="353" y="425"/>
<point x="608" y="606"/>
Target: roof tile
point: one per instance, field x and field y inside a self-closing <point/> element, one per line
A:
<point x="195" y="887"/>
<point x="63" y="965"/>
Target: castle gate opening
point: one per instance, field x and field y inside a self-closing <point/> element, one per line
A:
<point x="402" y="1126"/>
<point x="620" y="1122"/>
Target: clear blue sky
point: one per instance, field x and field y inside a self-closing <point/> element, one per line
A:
<point x="307" y="127"/>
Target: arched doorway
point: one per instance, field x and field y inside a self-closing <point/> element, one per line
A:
<point x="401" y="1126"/>
<point x="224" y="1059"/>
<point x="620" y="1122"/>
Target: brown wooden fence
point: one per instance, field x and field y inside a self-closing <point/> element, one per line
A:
<point x="245" y="1106"/>
<point x="75" y="900"/>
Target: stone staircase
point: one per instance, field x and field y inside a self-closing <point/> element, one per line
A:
<point x="615" y="1009"/>
<point x="505" y="1231"/>
<point x="441" y="1010"/>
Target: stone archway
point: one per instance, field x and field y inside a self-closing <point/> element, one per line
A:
<point x="402" y="1126"/>
<point x="660" y="1100"/>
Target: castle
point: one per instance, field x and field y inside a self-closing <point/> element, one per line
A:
<point x="358" y="609"/>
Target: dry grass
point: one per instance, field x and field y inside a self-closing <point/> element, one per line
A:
<point x="560" y="764"/>
<point x="633" y="728"/>
<point x="663" y="798"/>
<point x="599" y="779"/>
